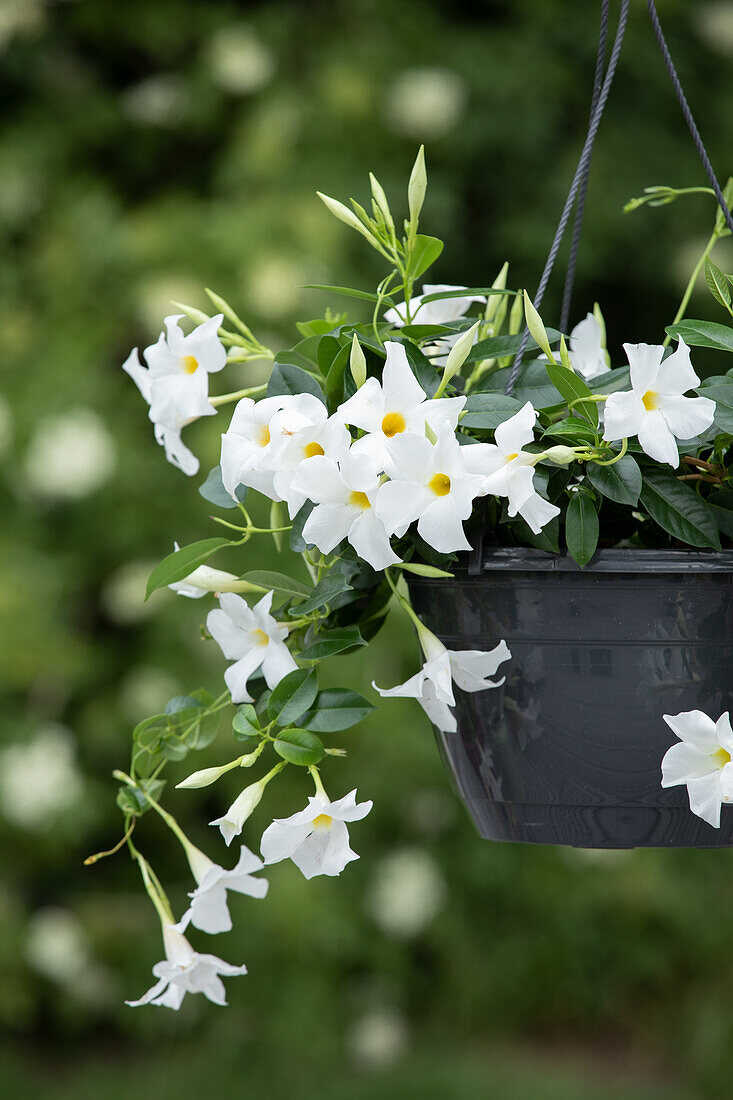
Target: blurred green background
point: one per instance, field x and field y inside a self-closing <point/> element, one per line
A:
<point x="148" y="149"/>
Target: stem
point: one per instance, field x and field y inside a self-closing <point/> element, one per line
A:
<point x="316" y="777"/>
<point x="691" y="285"/>
<point x="112" y="851"/>
<point x="402" y="600"/>
<point x="154" y="890"/>
<point x="620" y="455"/>
<point x="236" y="395"/>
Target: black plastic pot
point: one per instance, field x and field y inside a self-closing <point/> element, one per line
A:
<point x="569" y="750"/>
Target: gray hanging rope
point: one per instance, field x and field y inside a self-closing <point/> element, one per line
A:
<point x="702" y="151"/>
<point x="577" y="178"/>
<point x="582" y="191"/>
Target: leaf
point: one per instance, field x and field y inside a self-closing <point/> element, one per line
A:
<point x="620" y="482"/>
<point x="571" y="428"/>
<point x="182" y="562"/>
<point x="293" y="696"/>
<point x="213" y="490"/>
<point x="704" y="334"/>
<point x="422" y="570"/>
<point x="581" y="528"/>
<point x="678" y="509"/>
<point x="336" y="709"/>
<point x="182" y="702"/>
<point x="531" y="385"/>
<point x="717" y="283"/>
<point x="425" y="332"/>
<point x="720" y="389"/>
<point x="572" y="387"/>
<point x="332" y="585"/>
<point x="328" y="643"/>
<point x="328" y="349"/>
<point x="287" y="379"/>
<point x="245" y="723"/>
<point x="277" y="582"/>
<point x="297" y="542"/>
<point x="426" y="251"/>
<point x="496" y="347"/>
<point x="349" y="292"/>
<point x="548" y="539"/>
<point x="132" y="800"/>
<point x="488" y="410"/>
<point x="422" y="368"/>
<point x="465" y="292"/>
<point x="335" y="378"/>
<point x="299" y="747"/>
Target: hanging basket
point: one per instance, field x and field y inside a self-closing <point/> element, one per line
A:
<point x="568" y="751"/>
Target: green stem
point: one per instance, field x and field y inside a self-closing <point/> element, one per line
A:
<point x="236" y="395"/>
<point x="316" y="777"/>
<point x="691" y="284"/>
<point x="618" y="457"/>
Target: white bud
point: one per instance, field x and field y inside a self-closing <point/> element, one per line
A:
<point x="381" y="200"/>
<point x="344" y="215"/>
<point x="561" y="456"/>
<point x="459" y="352"/>
<point x="357" y="363"/>
<point x="536" y="327"/>
<point x="417" y="187"/>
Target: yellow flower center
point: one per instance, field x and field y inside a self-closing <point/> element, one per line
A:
<point x="440" y="484"/>
<point x="189" y="363"/>
<point x="649" y="400"/>
<point x="323" y="821"/>
<point x="312" y="449"/>
<point x="260" y="637"/>
<point x="264" y="436"/>
<point x="512" y="456"/>
<point x="721" y="757"/>
<point x="393" y="424"/>
<point x="359" y="500"/>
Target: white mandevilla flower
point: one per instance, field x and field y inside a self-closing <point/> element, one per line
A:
<point x="186" y="971"/>
<point x="432" y="686"/>
<point x="231" y="823"/>
<point x="398" y="404"/>
<point x="510" y="470"/>
<point x="296" y="438"/>
<point x="251" y="443"/>
<point x="175" y="382"/>
<point x="208" y="910"/>
<point x="585" y="348"/>
<point x="434" y="484"/>
<point x="317" y="838"/>
<point x="253" y="639"/>
<point x="701" y="760"/>
<point x="655" y="409"/>
<point x="438" y="312"/>
<point x="345" y="495"/>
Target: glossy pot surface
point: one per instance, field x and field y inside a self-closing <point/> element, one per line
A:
<point x="569" y="750"/>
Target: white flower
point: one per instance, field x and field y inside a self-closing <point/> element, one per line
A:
<point x="232" y="822"/>
<point x="434" y="484"/>
<point x="426" y="103"/>
<point x="316" y="839"/>
<point x="511" y="470"/>
<point x="251" y="443"/>
<point x="69" y="456"/>
<point x="40" y="779"/>
<point x="585" y="348"/>
<point x="438" y="312"/>
<point x="186" y="971"/>
<point x="407" y="892"/>
<point x="253" y="639"/>
<point x="393" y="407"/>
<point x="175" y="383"/>
<point x="204" y="580"/>
<point x="702" y="761"/>
<point x="432" y="686"/>
<point x="208" y="910"/>
<point x="655" y="409"/>
<point x="345" y="496"/>
<point x="296" y="438"/>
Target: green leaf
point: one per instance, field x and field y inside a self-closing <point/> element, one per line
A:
<point x="132" y="800"/>
<point x="286" y="378"/>
<point x="328" y="643"/>
<point x="548" y="539"/>
<point x="581" y="528"/>
<point x="326" y="591"/>
<point x="293" y="696"/>
<point x="721" y="505"/>
<point x="425" y="253"/>
<point x="531" y="385"/>
<point x="245" y="723"/>
<point x="466" y="292"/>
<point x="720" y="389"/>
<point x="425" y="332"/>
<point x="349" y="292"/>
<point x="422" y="570"/>
<point x="182" y="562"/>
<point x="269" y="580"/>
<point x="572" y="387"/>
<point x="488" y="410"/>
<point x="496" y="347"/>
<point x="297" y="542"/>
<point x="213" y="490"/>
<point x="718" y="284"/>
<point x="571" y="428"/>
<point x="335" y="378"/>
<point x="182" y="702"/>
<point x="299" y="747"/>
<point x="328" y="348"/>
<point x="422" y="368"/>
<point x="620" y="482"/>
<point x="704" y="334"/>
<point x="336" y="709"/>
<point x="678" y="509"/>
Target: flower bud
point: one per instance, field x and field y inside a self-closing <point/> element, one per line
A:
<point x="357" y="362"/>
<point x="560" y="455"/>
<point x="536" y="327"/>
<point x="417" y="187"/>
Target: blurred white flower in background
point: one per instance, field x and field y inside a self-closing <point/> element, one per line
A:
<point x="70" y="456"/>
<point x="39" y="778"/>
<point x="240" y="62"/>
<point x="146" y="690"/>
<point x="123" y="594"/>
<point x="426" y="103"/>
<point x="714" y="24"/>
<point x="57" y="947"/>
<point x="378" y="1038"/>
<point x="274" y="285"/>
<point x="407" y="892"/>
<point x="19" y="17"/>
<point x="159" y="100"/>
<point x="157" y="293"/>
<point x="6" y="426"/>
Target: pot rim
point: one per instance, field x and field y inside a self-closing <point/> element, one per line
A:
<point x="617" y="560"/>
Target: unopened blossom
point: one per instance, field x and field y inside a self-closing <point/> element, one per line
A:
<point x="298" y="438"/>
<point x="655" y="409"/>
<point x="204" y="580"/>
<point x="253" y="639"/>
<point x="232" y="822"/>
<point x="439" y="312"/>
<point x="317" y="838"/>
<point x="393" y="407"/>
<point x="250" y="445"/>
<point x="432" y="686"/>
<point x="175" y="382"/>
<point x="434" y="484"/>
<point x="208" y="910"/>
<point x="183" y="971"/>
<point x="701" y="760"/>
<point x="345" y="495"/>
<point x="511" y="469"/>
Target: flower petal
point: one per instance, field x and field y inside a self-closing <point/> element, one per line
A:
<point x="517" y="431"/>
<point x="687" y="417"/>
<point x="623" y="415"/>
<point x="683" y="762"/>
<point x="706" y="797"/>
<point x="676" y="374"/>
<point x="657" y="440"/>
<point x="694" y="726"/>
<point x="644" y="361"/>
